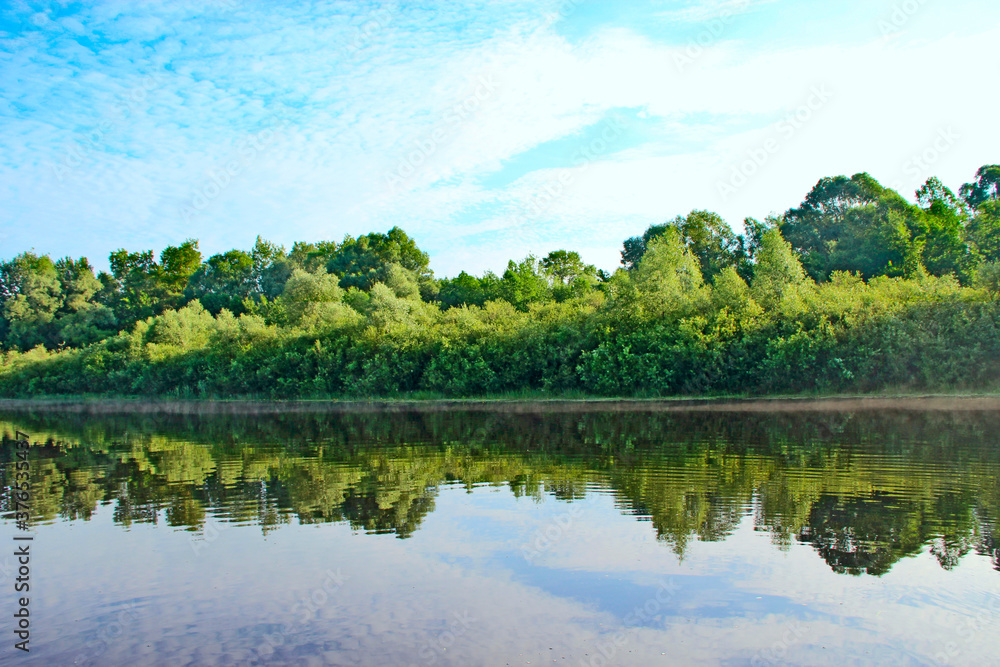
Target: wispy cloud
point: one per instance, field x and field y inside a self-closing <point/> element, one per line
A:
<point x="118" y="117"/>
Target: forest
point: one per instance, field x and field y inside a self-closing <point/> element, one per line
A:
<point x="856" y="290"/>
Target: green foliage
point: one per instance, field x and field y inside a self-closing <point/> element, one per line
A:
<point x="523" y="283"/>
<point x="985" y="188"/>
<point x="704" y="233"/>
<point x="988" y="278"/>
<point x="868" y="292"/>
<point x="983" y="231"/>
<point x="362" y="262"/>
<point x="462" y="290"/>
<point x="778" y="274"/>
<point x="668" y="280"/>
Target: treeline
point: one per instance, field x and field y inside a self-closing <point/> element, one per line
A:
<point x="856" y="289"/>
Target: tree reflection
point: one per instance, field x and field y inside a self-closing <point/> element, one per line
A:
<point x="863" y="489"/>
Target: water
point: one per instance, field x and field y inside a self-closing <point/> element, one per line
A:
<point x="598" y="534"/>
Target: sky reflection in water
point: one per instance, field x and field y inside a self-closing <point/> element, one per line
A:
<point x="561" y="536"/>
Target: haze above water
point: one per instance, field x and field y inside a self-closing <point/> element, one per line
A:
<point x="594" y="534"/>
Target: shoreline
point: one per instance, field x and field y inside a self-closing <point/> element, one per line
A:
<point x="807" y="403"/>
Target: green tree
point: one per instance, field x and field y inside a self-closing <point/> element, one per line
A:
<point x="668" y="279"/>
<point x="225" y="281"/>
<point x="177" y="265"/>
<point x="569" y="274"/>
<point x="31" y="298"/>
<point x="315" y="301"/>
<point x="985" y="188"/>
<point x="778" y="272"/>
<point x="131" y="288"/>
<point x="524" y="283"/>
<point x="710" y="238"/>
<point x="983" y="231"/>
<point x="362" y="262"/>
<point x="80" y="320"/>
<point x="462" y="290"/>
<point x="852" y="224"/>
<point x="941" y="232"/>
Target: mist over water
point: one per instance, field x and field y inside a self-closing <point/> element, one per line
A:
<point x="758" y="532"/>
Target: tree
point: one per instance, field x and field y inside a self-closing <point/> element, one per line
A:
<point x="710" y="238"/>
<point x="80" y="320"/>
<point x="130" y="289"/>
<point x="983" y="231"/>
<point x="984" y="189"/>
<point x="314" y="300"/>
<point x="668" y="280"/>
<point x="730" y="292"/>
<point x="570" y="276"/>
<point x="778" y="271"/>
<point x="749" y="243"/>
<point x="565" y="266"/>
<point x="462" y="290"/>
<point x="524" y="283"/>
<point x="988" y="278"/>
<point x="225" y="281"/>
<point x="177" y="265"/>
<point x="51" y="304"/>
<point x="361" y="262"/>
<point x="635" y="247"/>
<point x="852" y="224"/>
<point x="31" y="298"/>
<point x="940" y="231"/>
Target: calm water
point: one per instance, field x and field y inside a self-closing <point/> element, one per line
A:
<point x="845" y="533"/>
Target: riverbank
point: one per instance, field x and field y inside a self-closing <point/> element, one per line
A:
<point x="787" y="403"/>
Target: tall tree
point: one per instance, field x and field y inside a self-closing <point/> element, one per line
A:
<point x="524" y="283"/>
<point x="710" y="239"/>
<point x="778" y="272"/>
<point x="851" y="224"/>
<point x="132" y="287"/>
<point x="362" y="262"/>
<point x="462" y="290"/>
<point x="940" y="232"/>
<point x="570" y="275"/>
<point x="983" y="231"/>
<point x="985" y="188"/>
<point x="225" y="281"/>
<point x="177" y="265"/>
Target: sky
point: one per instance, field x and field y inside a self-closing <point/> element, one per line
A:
<point x="486" y="130"/>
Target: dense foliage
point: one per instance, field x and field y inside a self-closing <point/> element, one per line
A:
<point x="854" y="290"/>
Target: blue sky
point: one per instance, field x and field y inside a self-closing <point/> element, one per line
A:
<point x="486" y="130"/>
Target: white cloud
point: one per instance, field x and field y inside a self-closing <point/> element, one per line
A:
<point x="364" y="92"/>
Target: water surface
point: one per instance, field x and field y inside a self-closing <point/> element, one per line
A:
<point x="596" y="534"/>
